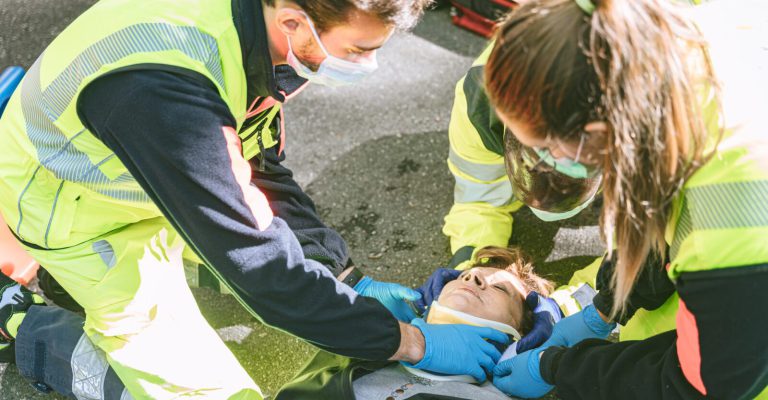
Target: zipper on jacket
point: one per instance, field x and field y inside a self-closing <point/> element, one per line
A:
<point x="261" y="157"/>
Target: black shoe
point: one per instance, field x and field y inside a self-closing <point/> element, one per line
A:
<point x="53" y="291"/>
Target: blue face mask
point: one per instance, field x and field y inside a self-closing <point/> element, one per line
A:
<point x="333" y="71"/>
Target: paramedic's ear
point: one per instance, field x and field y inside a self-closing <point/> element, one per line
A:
<point x="289" y="20"/>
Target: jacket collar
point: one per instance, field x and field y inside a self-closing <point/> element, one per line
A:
<point x="257" y="63"/>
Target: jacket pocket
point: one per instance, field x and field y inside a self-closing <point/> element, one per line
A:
<point x="63" y="210"/>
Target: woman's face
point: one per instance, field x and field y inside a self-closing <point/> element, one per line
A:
<point x="594" y="135"/>
<point x="489" y="293"/>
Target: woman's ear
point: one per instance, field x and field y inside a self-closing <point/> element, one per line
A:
<point x="596" y="128"/>
<point x="288" y="20"/>
<point x="597" y="133"/>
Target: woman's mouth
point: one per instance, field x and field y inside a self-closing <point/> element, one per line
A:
<point x="466" y="289"/>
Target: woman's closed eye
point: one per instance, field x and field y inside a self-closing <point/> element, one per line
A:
<point x="502" y="288"/>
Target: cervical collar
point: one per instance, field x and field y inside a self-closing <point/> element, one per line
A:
<point x="439" y="314"/>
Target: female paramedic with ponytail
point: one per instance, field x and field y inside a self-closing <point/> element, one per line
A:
<point x="668" y="105"/>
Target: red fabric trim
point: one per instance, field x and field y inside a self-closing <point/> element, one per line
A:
<point x="295" y="92"/>
<point x="242" y="170"/>
<point x="688" y="351"/>
<point x="282" y="132"/>
<point x="267" y="103"/>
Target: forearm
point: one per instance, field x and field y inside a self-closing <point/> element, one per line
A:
<point x="289" y="202"/>
<point x="412" y="345"/>
<point x="717" y="350"/>
<point x="597" y="369"/>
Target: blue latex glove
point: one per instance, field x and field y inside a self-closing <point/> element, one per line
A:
<point x="586" y="324"/>
<point x="459" y="349"/>
<point x="546" y="313"/>
<point x="520" y="376"/>
<point x="391" y="295"/>
<point x="431" y="289"/>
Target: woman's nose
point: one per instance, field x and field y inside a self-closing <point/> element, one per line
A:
<point x="557" y="152"/>
<point x="474" y="279"/>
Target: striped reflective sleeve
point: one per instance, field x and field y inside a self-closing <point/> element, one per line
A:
<point x="471" y="187"/>
<point x="722" y="224"/>
<point x="478" y="171"/>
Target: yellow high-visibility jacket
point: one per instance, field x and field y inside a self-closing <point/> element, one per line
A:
<point x="482" y="201"/>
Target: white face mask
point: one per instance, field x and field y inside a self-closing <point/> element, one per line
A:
<point x="333" y="71"/>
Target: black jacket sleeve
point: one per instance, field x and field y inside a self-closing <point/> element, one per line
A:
<point x="289" y="202"/>
<point x="719" y="348"/>
<point x="652" y="290"/>
<point x="168" y="130"/>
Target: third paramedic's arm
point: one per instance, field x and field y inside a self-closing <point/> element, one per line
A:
<point x="289" y="202"/>
<point x="719" y="347"/>
<point x="482" y="203"/>
<point x="174" y="134"/>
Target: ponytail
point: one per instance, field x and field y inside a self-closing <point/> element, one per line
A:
<point x="637" y="65"/>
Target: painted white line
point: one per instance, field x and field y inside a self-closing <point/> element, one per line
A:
<point x="581" y="241"/>
<point x="236" y="333"/>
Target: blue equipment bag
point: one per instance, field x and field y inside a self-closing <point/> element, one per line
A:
<point x="9" y="80"/>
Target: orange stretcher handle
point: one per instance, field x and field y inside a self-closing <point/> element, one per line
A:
<point x="14" y="261"/>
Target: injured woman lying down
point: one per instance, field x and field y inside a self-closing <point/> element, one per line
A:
<point x="490" y="294"/>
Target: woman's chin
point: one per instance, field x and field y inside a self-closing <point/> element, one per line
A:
<point x="459" y="301"/>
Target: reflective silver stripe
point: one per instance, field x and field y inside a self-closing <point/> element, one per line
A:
<point x="126" y="395"/>
<point x="106" y="252"/>
<point x="89" y="370"/>
<point x="481" y="172"/>
<point x="42" y="108"/>
<point x="496" y="194"/>
<point x="721" y="206"/>
<point x="57" y="154"/>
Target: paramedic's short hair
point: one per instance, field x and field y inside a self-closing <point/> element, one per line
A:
<point x="325" y="14"/>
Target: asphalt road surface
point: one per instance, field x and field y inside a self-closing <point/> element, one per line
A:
<point x="373" y="158"/>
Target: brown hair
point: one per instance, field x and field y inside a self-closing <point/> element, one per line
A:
<point x="515" y="261"/>
<point x="640" y="67"/>
<point x="325" y="14"/>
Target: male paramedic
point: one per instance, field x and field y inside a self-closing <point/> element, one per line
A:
<point x="148" y="127"/>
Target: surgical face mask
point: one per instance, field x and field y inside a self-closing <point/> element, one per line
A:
<point x="333" y="71"/>
<point x="564" y="165"/>
<point x="439" y="314"/>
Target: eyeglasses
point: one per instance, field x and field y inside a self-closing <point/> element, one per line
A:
<point x="541" y="159"/>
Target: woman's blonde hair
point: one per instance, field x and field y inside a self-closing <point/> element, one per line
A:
<point x="515" y="261"/>
<point x="640" y="67"/>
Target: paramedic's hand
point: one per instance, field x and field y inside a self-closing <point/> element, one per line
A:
<point x="585" y="324"/>
<point x="546" y="313"/>
<point x="431" y="289"/>
<point x="391" y="295"/>
<point x="459" y="349"/>
<point x="520" y="376"/>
